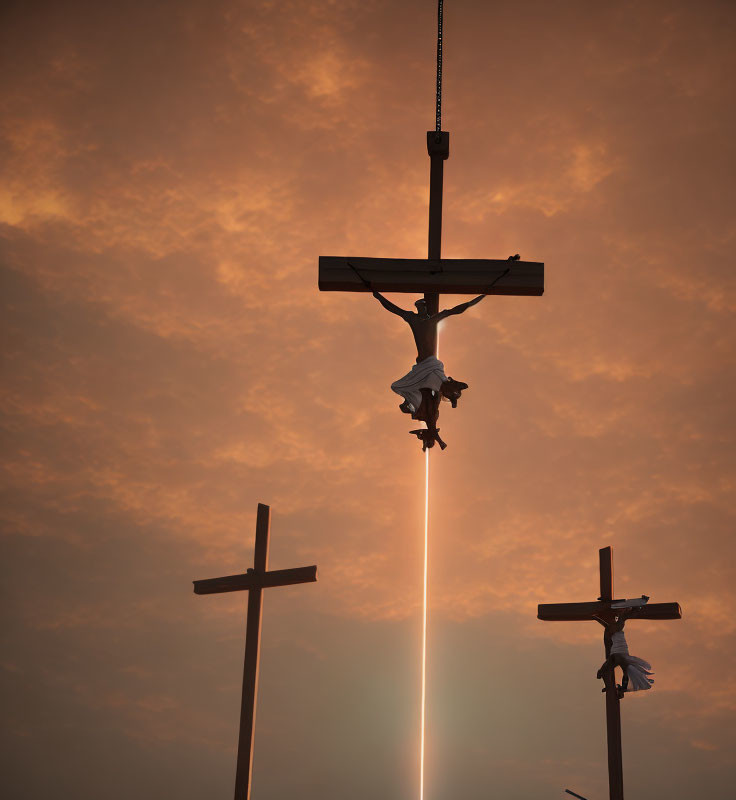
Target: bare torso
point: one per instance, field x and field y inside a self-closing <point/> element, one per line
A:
<point x="424" y="325"/>
<point x="423" y="329"/>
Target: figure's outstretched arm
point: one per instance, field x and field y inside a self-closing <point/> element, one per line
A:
<point x="389" y="306"/>
<point x="459" y="309"/>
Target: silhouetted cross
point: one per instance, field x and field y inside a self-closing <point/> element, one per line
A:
<point x="612" y="614"/>
<point x="430" y="276"/>
<point x="433" y="275"/>
<point x="253" y="582"/>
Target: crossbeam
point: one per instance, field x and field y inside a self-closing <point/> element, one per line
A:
<point x="256" y="580"/>
<point x="422" y="275"/>
<point x="576" y="612"/>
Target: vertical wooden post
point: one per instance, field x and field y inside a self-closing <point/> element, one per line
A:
<point x="605" y="560"/>
<point x="250" y="668"/>
<point x="613" y="704"/>
<point x="438" y="147"/>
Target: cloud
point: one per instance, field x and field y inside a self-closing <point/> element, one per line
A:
<point x="172" y="175"/>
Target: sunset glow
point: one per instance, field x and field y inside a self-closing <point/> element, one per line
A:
<point x="171" y="174"/>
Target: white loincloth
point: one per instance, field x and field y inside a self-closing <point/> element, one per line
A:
<point x="637" y="669"/>
<point x="427" y="374"/>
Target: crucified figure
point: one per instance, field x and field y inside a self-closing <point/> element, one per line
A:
<point x="635" y="670"/>
<point x="426" y="384"/>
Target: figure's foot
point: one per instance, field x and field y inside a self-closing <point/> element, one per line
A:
<point x="452" y="389"/>
<point x="423" y="435"/>
<point x="428" y="436"/>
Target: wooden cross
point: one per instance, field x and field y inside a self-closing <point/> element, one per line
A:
<point x="254" y="581"/>
<point x="433" y="275"/>
<point x="609" y="613"/>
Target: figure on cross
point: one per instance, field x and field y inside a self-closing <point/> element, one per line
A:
<point x="613" y="614"/>
<point x="426" y="385"/>
<point x="635" y="671"/>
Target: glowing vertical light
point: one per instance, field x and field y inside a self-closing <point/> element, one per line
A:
<point x="424" y="604"/>
<point x="424" y="621"/>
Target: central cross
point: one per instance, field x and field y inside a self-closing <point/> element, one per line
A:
<point x="426" y="383"/>
<point x="431" y="277"/>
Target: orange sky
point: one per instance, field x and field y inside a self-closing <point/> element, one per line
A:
<point x="170" y="174"/>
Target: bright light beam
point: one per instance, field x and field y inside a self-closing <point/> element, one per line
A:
<point x="424" y="622"/>
<point x="424" y="604"/>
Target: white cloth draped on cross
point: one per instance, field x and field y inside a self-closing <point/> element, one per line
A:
<point x="637" y="669"/>
<point x="427" y="374"/>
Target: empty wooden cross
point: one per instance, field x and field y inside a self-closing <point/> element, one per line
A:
<point x="253" y="582"/>
<point x="612" y="614"/>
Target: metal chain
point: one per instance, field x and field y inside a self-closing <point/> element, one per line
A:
<point x="438" y="108"/>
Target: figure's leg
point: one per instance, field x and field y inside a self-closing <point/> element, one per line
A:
<point x="618" y="661"/>
<point x="608" y="673"/>
<point x="452" y="389"/>
<point x="428" y="410"/>
<point x="606" y="667"/>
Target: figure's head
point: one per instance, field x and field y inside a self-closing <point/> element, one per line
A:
<point x="421" y="306"/>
